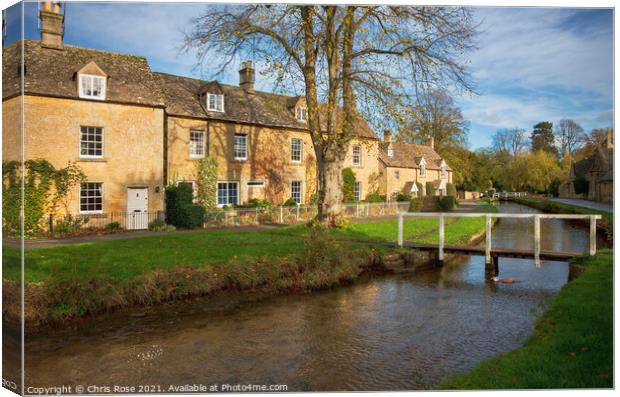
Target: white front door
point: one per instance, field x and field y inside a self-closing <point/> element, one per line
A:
<point x="137" y="208"/>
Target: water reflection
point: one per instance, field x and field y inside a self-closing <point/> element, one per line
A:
<point x="383" y="333"/>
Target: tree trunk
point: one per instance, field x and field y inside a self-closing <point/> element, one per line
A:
<point x="330" y="192"/>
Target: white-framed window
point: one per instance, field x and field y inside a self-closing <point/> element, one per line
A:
<point x="227" y="193"/>
<point x="358" y="191"/>
<point x="196" y="144"/>
<point x="91" y="142"/>
<point x="91" y="198"/>
<point x="92" y="87"/>
<point x="296" y="191"/>
<point x="296" y="150"/>
<point x="390" y="150"/>
<point x="357" y="155"/>
<point x="241" y="147"/>
<point x="422" y="167"/>
<point x="301" y="114"/>
<point x="443" y="169"/>
<point x="256" y="183"/>
<point x="397" y="174"/>
<point x="215" y="102"/>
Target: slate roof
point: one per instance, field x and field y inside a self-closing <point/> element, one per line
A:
<point x="182" y="96"/>
<point x="408" y="155"/>
<point x="53" y="72"/>
<point x="602" y="162"/>
<point x="130" y="80"/>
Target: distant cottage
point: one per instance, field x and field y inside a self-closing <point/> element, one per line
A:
<point x="596" y="172"/>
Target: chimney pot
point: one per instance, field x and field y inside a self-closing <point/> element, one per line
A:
<point x="246" y="76"/>
<point x="387" y="136"/>
<point x="432" y="143"/>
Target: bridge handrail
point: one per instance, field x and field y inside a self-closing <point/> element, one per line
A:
<point x="497" y="215"/>
<point x="489" y="216"/>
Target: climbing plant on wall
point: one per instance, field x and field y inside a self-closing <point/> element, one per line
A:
<point x="348" y="185"/>
<point x="44" y="188"/>
<point x="206" y="183"/>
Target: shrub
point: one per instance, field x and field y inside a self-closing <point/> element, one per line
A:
<point x="450" y="189"/>
<point x="415" y="205"/>
<point x="375" y="198"/>
<point x="446" y="203"/>
<point x="114" y="227"/>
<point x="348" y="185"/>
<point x="177" y="197"/>
<point x="430" y="203"/>
<point x="430" y="189"/>
<point x="581" y="185"/>
<point x="420" y="189"/>
<point x="258" y="203"/>
<point x="69" y="225"/>
<point x="193" y="216"/>
<point x="290" y="203"/>
<point x="401" y="196"/>
<point x="157" y="224"/>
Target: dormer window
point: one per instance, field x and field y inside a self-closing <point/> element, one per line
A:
<point x="423" y="167"/>
<point x="215" y="102"/>
<point x="92" y="87"/>
<point x="390" y="151"/>
<point x="302" y="114"/>
<point x="443" y="169"/>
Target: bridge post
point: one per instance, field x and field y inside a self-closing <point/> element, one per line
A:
<point x="537" y="240"/>
<point x="441" y="237"/>
<point x="487" y="254"/>
<point x="495" y="268"/>
<point x="592" y="235"/>
<point x="400" y="229"/>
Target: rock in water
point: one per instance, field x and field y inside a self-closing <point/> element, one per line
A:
<point x="509" y="280"/>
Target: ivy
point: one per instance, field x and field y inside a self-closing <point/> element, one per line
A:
<point x="44" y="188"/>
<point x="348" y="185"/>
<point x="206" y="183"/>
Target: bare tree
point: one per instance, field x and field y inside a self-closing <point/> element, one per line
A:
<point x="569" y="136"/>
<point x="437" y="117"/>
<point x="372" y="58"/>
<point x="511" y="141"/>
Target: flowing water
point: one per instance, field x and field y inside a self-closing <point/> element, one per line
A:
<point x="396" y="332"/>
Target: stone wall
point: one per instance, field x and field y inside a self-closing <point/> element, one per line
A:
<point x="132" y="139"/>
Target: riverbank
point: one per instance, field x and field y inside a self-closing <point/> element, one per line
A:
<point x="572" y="345"/>
<point x="67" y="282"/>
<point x="606" y="224"/>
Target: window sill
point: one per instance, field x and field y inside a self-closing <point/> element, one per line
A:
<point x="92" y="160"/>
<point x="195" y="158"/>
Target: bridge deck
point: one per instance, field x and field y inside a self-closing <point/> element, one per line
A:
<point x="498" y="252"/>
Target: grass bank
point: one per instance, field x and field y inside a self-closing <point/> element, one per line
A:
<point x="74" y="280"/>
<point x="572" y="345"/>
<point x="606" y="223"/>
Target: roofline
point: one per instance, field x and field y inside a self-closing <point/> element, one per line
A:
<point x="280" y="127"/>
<point x="84" y="99"/>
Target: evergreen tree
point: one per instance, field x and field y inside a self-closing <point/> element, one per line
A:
<point x="543" y="138"/>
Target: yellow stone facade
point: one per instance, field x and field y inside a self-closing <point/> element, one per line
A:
<point x="132" y="145"/>
<point x="268" y="158"/>
<point x="394" y="179"/>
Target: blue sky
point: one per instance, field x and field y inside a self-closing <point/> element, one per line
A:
<point x="532" y="64"/>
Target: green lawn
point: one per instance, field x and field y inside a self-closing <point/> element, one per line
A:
<point x="121" y="260"/>
<point x="572" y="346"/>
<point x="554" y="206"/>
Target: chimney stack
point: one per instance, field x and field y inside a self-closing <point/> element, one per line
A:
<point x="387" y="136"/>
<point x="246" y="76"/>
<point x="52" y="25"/>
<point x="610" y="140"/>
<point x="432" y="143"/>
